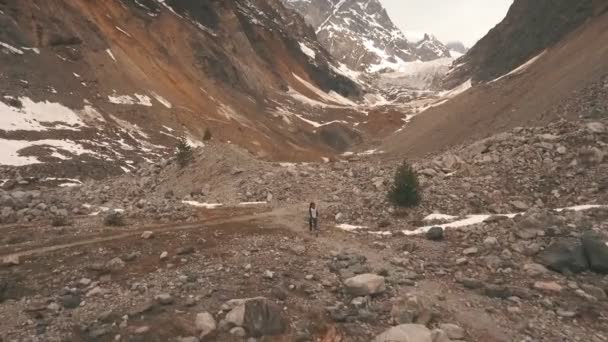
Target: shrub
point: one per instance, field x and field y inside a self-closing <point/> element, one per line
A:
<point x="115" y="219"/>
<point x="405" y="191"/>
<point x="207" y="135"/>
<point x="183" y="152"/>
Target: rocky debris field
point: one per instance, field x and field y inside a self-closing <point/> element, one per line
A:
<point x="557" y="166"/>
<point x="153" y="256"/>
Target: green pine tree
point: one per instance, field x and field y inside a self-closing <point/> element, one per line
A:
<point x="183" y="152"/>
<point x="405" y="191"/>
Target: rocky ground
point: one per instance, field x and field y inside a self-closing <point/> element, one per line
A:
<point x="140" y="258"/>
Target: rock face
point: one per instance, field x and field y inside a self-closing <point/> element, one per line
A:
<point x="365" y="284"/>
<point x="534" y="25"/>
<point x="405" y="333"/>
<point x="363" y="36"/>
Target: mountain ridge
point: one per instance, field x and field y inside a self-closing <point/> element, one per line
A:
<point x="362" y="35"/>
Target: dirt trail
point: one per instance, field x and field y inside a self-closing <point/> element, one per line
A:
<point x="90" y="240"/>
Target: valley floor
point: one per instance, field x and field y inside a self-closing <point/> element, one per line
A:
<point x="181" y="267"/>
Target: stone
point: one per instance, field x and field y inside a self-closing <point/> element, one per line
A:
<point x="238" y="332"/>
<point x="164" y="255"/>
<point x="405" y="333"/>
<point x="141" y="330"/>
<point x="185" y="250"/>
<point x="11" y="260"/>
<point x="205" y="324"/>
<point x="298" y="249"/>
<point x="435" y="234"/>
<point x="462" y="261"/>
<point x="365" y="284"/>
<point x="520" y="205"/>
<point x="268" y="274"/>
<point x="535" y="270"/>
<point x="147" y="235"/>
<point x="84" y="282"/>
<point x="164" y="299"/>
<point x="410" y="309"/>
<point x="115" y="264"/>
<point x="439" y="335"/>
<point x="596" y="127"/>
<point x="490" y="241"/>
<point x="188" y="339"/>
<point x="70" y="301"/>
<point x="564" y="256"/>
<point x="595" y="291"/>
<point x="470" y="251"/>
<point x="596" y="251"/>
<point x="548" y="286"/>
<point x="453" y="331"/>
<point x="258" y="316"/>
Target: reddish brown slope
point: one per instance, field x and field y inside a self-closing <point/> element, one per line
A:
<point x="549" y="89"/>
<point x="224" y="65"/>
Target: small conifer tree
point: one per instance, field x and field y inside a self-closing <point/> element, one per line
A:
<point x="405" y="191"/>
<point x="183" y="152"/>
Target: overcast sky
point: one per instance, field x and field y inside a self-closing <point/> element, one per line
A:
<point x="463" y="20"/>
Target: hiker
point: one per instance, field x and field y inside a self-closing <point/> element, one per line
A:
<point x="313" y="216"/>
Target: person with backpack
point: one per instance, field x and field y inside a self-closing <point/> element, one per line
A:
<point x="313" y="217"/>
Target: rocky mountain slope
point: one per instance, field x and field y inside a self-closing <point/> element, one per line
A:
<point x="86" y="83"/>
<point x="361" y="35"/>
<point x="568" y="79"/>
<point x="529" y="28"/>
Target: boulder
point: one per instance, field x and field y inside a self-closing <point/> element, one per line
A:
<point x="453" y="331"/>
<point x="405" y="333"/>
<point x="365" y="284"/>
<point x="411" y="309"/>
<point x="596" y="251"/>
<point x="205" y="323"/>
<point x="258" y="316"/>
<point x="564" y="256"/>
<point x="435" y="234"/>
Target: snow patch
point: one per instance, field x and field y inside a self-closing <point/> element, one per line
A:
<point x="38" y="116"/>
<point x="521" y="68"/>
<point x="109" y="52"/>
<point x="253" y="203"/>
<point x="137" y="99"/>
<point x="350" y="227"/>
<point x="11" y="48"/>
<point x="476" y="219"/>
<point x="308" y="51"/>
<point x="162" y="100"/>
<point x="203" y="205"/>
<point x="9" y="150"/>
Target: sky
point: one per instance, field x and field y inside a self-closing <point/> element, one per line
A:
<point x="449" y="20"/>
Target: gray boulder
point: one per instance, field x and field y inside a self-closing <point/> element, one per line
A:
<point x="405" y="333"/>
<point x="258" y="316"/>
<point x="596" y="251"/>
<point x="365" y="284"/>
<point x="435" y="234"/>
<point x="564" y="256"/>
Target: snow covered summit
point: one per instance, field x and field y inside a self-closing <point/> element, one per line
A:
<point x="360" y="34"/>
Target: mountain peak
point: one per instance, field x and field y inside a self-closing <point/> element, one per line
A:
<point x="361" y="34"/>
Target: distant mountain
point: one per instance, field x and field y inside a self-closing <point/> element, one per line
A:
<point x="361" y="34"/>
<point x="430" y="48"/>
<point x="457" y="47"/>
